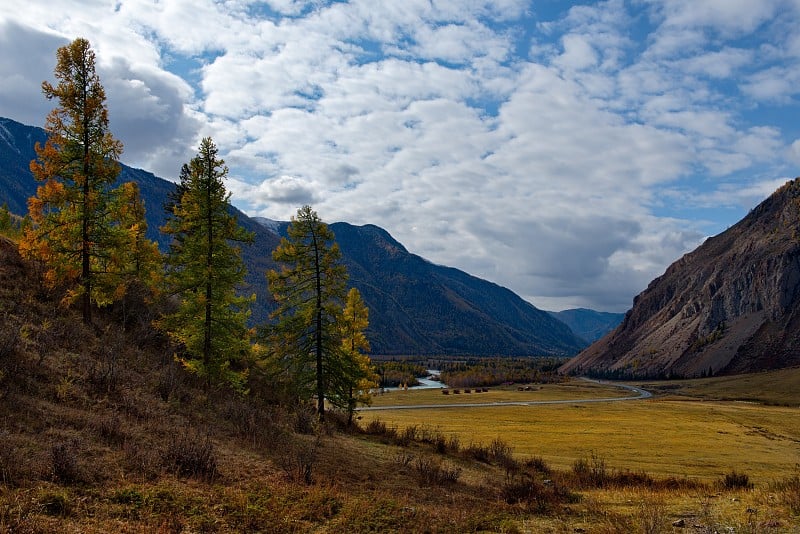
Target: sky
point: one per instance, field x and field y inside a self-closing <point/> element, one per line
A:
<point x="569" y="151"/>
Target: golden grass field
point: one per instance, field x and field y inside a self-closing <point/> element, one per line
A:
<point x="575" y="389"/>
<point x="664" y="436"/>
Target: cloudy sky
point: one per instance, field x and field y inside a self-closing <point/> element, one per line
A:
<point x="567" y="150"/>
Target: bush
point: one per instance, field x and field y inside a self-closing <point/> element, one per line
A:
<point x="305" y="419"/>
<point x="376" y="427"/>
<point x="538" y="464"/>
<point x="453" y="444"/>
<point x="297" y="457"/>
<point x="260" y="426"/>
<point x="523" y="490"/>
<point x="191" y="455"/>
<point x="388" y="434"/>
<point x="109" y="428"/>
<point x="11" y="461"/>
<point x="591" y="473"/>
<point x="535" y="496"/>
<point x="478" y="452"/>
<point x="170" y="380"/>
<point x="142" y="459"/>
<point x="734" y="480"/>
<point x="788" y="491"/>
<point x="408" y="435"/>
<point x="64" y="462"/>
<point x="432" y="472"/>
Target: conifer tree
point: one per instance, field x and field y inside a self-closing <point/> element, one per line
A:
<point x="141" y="264"/>
<point x="140" y="259"/>
<point x="358" y="374"/>
<point x="5" y="219"/>
<point x="309" y="289"/>
<point x="204" y="270"/>
<point x="74" y="226"/>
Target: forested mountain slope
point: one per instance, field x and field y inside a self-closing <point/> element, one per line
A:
<point x="416" y="307"/>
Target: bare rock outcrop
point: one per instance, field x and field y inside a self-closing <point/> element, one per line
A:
<point x="730" y="306"/>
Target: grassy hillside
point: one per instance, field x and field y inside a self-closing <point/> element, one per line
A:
<point x="102" y="432"/>
<point x="781" y="387"/>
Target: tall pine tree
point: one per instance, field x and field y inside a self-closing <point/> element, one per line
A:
<point x="74" y="228"/>
<point x="309" y="290"/>
<point x="204" y="270"/>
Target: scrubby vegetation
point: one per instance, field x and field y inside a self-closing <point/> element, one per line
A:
<point x="399" y="372"/>
<point x="480" y="372"/>
<point x="104" y="431"/>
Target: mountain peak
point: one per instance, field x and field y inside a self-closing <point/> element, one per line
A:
<point x="731" y="305"/>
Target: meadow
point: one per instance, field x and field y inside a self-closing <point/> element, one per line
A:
<point x="669" y="435"/>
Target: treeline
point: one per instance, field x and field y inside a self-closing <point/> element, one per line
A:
<point x="461" y="371"/>
<point x="480" y="372"/>
<point x="396" y="373"/>
<point x="86" y="232"/>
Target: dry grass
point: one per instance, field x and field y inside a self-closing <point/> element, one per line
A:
<point x="101" y="433"/>
<point x="781" y="388"/>
<point x="701" y="440"/>
<point x="572" y="390"/>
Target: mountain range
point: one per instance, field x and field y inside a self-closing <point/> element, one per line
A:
<point x="730" y="306"/>
<point x="416" y="307"/>
<point x="589" y="325"/>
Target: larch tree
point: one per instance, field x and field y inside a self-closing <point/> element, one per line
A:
<point x="140" y="259"/>
<point x="358" y="375"/>
<point x="204" y="269"/>
<point x="74" y="227"/>
<point x="305" y="339"/>
<point x="141" y="264"/>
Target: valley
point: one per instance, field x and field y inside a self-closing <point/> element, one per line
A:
<point x="171" y="364"/>
<point x="664" y="436"/>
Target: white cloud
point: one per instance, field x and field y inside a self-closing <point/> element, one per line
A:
<point x="578" y="53"/>
<point x="794" y="151"/>
<point x="541" y="154"/>
<point x="776" y="84"/>
<point x="718" y="64"/>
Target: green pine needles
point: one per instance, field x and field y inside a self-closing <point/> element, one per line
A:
<point x="312" y="342"/>
<point x="204" y="267"/>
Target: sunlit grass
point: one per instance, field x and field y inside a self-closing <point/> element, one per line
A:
<point x="666" y="438"/>
<point x="573" y="390"/>
<point x="771" y="387"/>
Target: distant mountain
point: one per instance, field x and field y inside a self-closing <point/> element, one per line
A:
<point x="730" y="306"/>
<point x="589" y="324"/>
<point x="415" y="307"/>
<point x="16" y="152"/>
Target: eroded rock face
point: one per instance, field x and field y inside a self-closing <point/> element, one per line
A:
<point x="730" y="306"/>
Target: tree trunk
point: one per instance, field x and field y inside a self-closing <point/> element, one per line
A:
<point x="86" y="274"/>
<point x="209" y="263"/>
<point x="318" y="333"/>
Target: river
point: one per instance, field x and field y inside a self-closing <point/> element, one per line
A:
<point x="425" y="383"/>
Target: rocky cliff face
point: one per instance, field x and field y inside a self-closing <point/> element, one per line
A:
<point x="730" y="306"/>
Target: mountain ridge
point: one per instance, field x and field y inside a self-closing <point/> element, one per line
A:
<point x="730" y="306"/>
<point x="416" y="307"/>
<point x="589" y="324"/>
